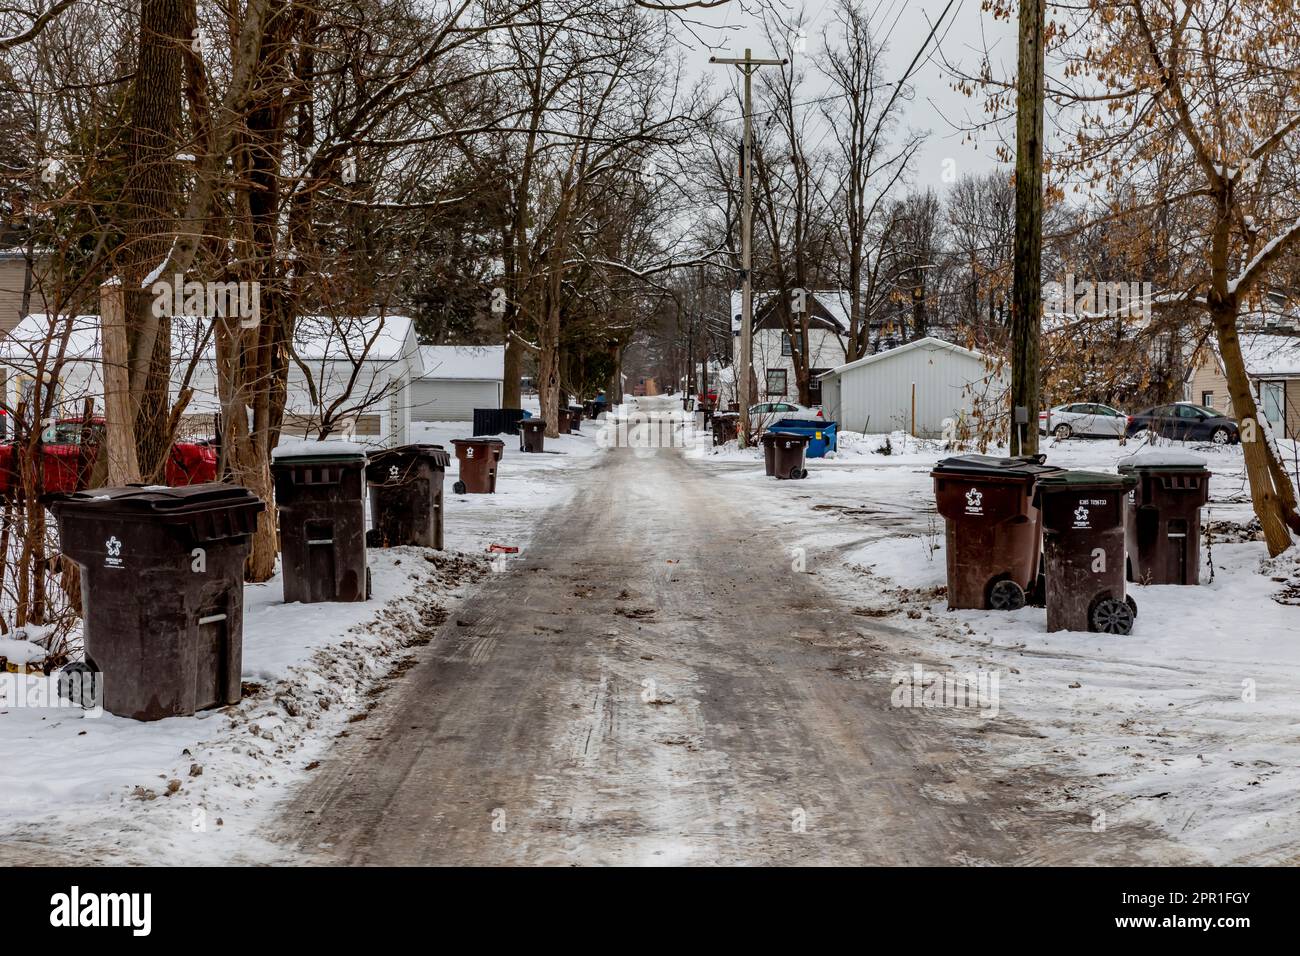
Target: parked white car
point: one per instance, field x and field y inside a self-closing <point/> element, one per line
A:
<point x="776" y="410"/>
<point x="1085" y="419"/>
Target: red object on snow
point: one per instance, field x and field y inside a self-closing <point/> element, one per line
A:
<point x="502" y="549"/>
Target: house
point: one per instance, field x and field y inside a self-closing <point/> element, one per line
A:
<point x="773" y="361"/>
<point x="1273" y="367"/>
<point x="458" y="379"/>
<point x="355" y="370"/>
<point x="18" y="285"/>
<point x="916" y="387"/>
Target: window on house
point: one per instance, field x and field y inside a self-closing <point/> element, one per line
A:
<point x="785" y="344"/>
<point x="776" y="381"/>
<point x="1207" y="399"/>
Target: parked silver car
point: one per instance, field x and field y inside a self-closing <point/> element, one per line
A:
<point x="1083" y="418"/>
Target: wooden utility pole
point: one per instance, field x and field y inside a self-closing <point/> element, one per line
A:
<point x="748" y="66"/>
<point x="1026" y="290"/>
<point x="119" y="410"/>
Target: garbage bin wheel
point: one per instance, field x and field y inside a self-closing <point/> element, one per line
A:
<point x="1110" y="616"/>
<point x="458" y="487"/>
<point x="1132" y="604"/>
<point x="1006" y="596"/>
<point x="1062" y="432"/>
<point x="798" y="473"/>
<point x="81" y="692"/>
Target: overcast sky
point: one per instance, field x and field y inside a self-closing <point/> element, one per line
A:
<point x="936" y="108"/>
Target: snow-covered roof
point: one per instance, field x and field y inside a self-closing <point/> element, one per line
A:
<point x="464" y="362"/>
<point x="346" y="338"/>
<point x="1270" y="355"/>
<point x="929" y="342"/>
<point x="834" y="301"/>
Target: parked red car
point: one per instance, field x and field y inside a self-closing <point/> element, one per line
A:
<point x="190" y="463"/>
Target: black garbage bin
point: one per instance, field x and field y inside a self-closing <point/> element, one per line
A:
<point x="318" y="492"/>
<point x="406" y="494"/>
<point x="788" y="451"/>
<point x="1163" y="527"/>
<point x="575" y="417"/>
<point x="532" y="435"/>
<point x="1083" y="550"/>
<point x="993" y="532"/>
<point x="162" y="589"/>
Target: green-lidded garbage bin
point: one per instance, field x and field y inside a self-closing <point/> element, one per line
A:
<point x="992" y="530"/>
<point x="1083" y="550"/>
<point x="162" y="588"/>
<point x="532" y="435"/>
<point x="478" y="459"/>
<point x="319" y="493"/>
<point x="1163" y="526"/>
<point x="406" y="494"/>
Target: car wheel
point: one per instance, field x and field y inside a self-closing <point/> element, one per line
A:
<point x="1062" y="432"/>
<point x="1220" y="436"/>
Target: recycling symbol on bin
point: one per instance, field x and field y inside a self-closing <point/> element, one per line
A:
<point x="974" y="500"/>
<point x="393" y="472"/>
<point x="114" y="546"/>
<point x="1081" y="517"/>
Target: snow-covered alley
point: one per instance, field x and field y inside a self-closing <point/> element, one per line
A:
<point x="691" y="663"/>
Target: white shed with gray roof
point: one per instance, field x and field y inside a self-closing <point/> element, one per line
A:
<point x="458" y="379"/>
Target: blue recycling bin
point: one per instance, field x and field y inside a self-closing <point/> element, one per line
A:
<point x="821" y="435"/>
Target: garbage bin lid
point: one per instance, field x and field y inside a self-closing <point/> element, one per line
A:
<point x="308" y="452"/>
<point x="416" y="450"/>
<point x="1023" y="466"/>
<point x="1159" y="459"/>
<point x="159" y="499"/>
<point x="1079" y="480"/>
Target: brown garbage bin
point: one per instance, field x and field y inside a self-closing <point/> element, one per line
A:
<point x="1163" y="526"/>
<point x="162" y="587"/>
<point x="478" y="459"/>
<point x="788" y="455"/>
<point x="532" y="434"/>
<point x="319" y="489"/>
<point x="406" y="495"/>
<point x="575" y="418"/>
<point x="565" y="426"/>
<point x="992" y="531"/>
<point x="1083" y="551"/>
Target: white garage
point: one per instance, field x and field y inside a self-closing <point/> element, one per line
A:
<point x="457" y="379"/>
<point x="915" y="387"/>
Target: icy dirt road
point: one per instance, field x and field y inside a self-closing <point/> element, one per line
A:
<point x="652" y="684"/>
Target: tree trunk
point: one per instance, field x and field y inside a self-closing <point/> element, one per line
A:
<point x="1271" y="490"/>
<point x="119" y="411"/>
